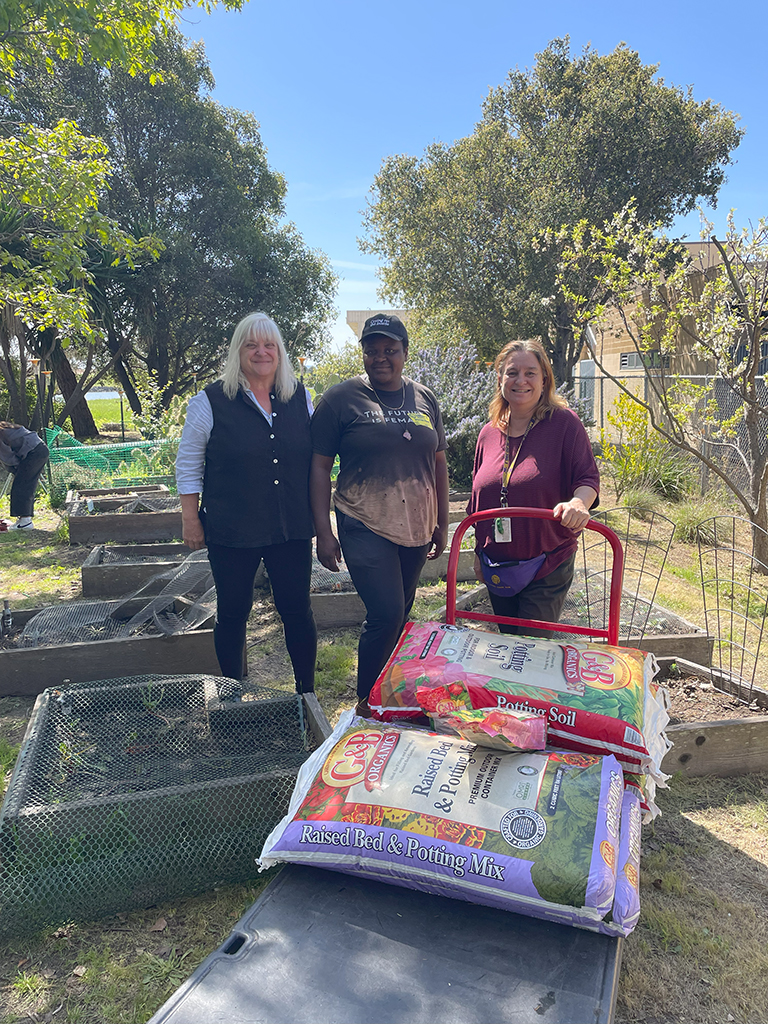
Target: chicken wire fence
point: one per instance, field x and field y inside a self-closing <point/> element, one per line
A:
<point x="142" y="503"/>
<point x="174" y="601"/>
<point x="140" y="789"/>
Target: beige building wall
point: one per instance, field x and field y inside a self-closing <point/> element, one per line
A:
<point x="357" y="317"/>
<point x="617" y="353"/>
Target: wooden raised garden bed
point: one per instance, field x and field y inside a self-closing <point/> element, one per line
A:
<point x="28" y="671"/>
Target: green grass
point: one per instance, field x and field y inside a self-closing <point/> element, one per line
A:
<point x="337" y="664"/>
<point x="430" y="598"/>
<point x="8" y="754"/>
<point x="107" y="410"/>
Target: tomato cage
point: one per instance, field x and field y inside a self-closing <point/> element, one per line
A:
<point x="608" y="631"/>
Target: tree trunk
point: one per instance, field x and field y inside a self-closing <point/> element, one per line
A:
<point x="760" y="547"/>
<point x="83" y="423"/>
<point x="114" y="344"/>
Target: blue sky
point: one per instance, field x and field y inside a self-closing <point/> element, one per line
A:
<point x="337" y="86"/>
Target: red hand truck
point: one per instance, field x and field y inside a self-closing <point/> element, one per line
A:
<point x="611" y="634"/>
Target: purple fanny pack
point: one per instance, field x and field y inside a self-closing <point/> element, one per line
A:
<point x="509" y="578"/>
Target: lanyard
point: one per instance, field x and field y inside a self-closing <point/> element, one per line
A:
<point x="509" y="467"/>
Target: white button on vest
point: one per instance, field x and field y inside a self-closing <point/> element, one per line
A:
<point x="277" y="481"/>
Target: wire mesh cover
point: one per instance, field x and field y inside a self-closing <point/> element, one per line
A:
<point x="134" y="790"/>
<point x="325" y="581"/>
<point x="145" y="503"/>
<point x="175" y="601"/>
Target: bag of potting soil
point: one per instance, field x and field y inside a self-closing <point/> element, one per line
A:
<point x="537" y="833"/>
<point x="595" y="698"/>
<point x="499" y="728"/>
<point x="625" y="912"/>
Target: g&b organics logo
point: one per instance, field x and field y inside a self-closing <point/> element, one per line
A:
<point x="359" y="757"/>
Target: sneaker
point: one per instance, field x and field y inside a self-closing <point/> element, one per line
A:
<point x="25" y="523"/>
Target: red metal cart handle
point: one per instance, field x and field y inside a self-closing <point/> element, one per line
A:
<point x="611" y="634"/>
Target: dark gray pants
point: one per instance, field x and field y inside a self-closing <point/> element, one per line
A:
<point x="25" y="480"/>
<point x="542" y="599"/>
<point x="385" y="576"/>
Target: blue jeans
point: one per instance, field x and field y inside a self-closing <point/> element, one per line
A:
<point x="385" y="576"/>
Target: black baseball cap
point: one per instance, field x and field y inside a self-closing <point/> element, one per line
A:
<point x="389" y="325"/>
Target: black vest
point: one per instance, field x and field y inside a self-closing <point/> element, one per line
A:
<point x="256" y="483"/>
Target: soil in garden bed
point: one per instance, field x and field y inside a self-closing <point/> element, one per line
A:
<point x="697" y="700"/>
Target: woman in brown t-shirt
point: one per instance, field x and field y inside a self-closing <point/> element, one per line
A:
<point x="391" y="495"/>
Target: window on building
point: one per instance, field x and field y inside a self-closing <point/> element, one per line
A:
<point x="586" y="391"/>
<point x="636" y="361"/>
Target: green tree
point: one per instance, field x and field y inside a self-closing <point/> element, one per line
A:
<point x="121" y="32"/>
<point x="572" y="139"/>
<point x="52" y="177"/>
<point x="51" y="181"/>
<point x="194" y="174"/>
<point x="669" y="302"/>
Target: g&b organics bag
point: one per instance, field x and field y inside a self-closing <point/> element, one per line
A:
<point x="595" y="698"/>
<point x="536" y="833"/>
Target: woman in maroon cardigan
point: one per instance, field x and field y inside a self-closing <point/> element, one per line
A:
<point x="534" y="452"/>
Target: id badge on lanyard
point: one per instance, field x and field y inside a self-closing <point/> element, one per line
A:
<point x="502" y="525"/>
<point x="502" y="530"/>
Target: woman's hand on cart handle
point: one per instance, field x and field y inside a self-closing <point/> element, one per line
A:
<point x="438" y="542"/>
<point x="329" y="552"/>
<point x="574" y="514"/>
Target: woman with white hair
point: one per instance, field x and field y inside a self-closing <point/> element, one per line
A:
<point x="246" y="449"/>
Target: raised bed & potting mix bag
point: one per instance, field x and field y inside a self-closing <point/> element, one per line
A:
<point x="535" y="832"/>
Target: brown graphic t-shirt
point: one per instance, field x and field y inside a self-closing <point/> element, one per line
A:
<point x="386" y="455"/>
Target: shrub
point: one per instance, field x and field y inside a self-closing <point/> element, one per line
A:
<point x="642" y="502"/>
<point x="464" y="387"/>
<point x="69" y="476"/>
<point x="640" y="458"/>
<point x="688" y="517"/>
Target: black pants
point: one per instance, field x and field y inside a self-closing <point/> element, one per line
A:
<point x="542" y="599"/>
<point x="25" y="480"/>
<point x="290" y="567"/>
<point x="385" y="576"/>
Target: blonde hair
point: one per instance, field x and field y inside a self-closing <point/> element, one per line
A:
<point x="498" y="410"/>
<point x="262" y="328"/>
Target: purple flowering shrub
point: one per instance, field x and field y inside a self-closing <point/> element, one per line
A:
<point x="464" y="386"/>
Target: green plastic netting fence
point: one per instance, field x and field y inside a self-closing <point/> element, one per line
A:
<point x="74" y="464"/>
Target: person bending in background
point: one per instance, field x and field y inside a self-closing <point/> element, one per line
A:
<point x="391" y="495"/>
<point x="533" y="453"/>
<point x="24" y="454"/>
<point x="246" y="448"/>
